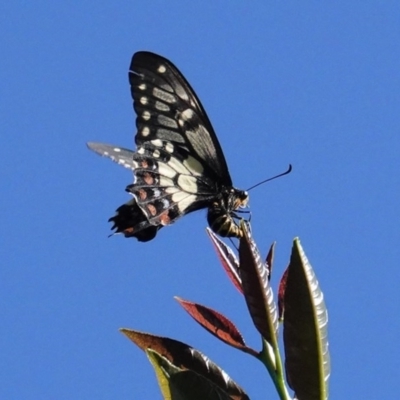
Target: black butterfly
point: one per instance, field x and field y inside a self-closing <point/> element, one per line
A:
<point x="178" y="165"/>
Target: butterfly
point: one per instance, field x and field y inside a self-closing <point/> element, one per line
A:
<point x="178" y="165"/>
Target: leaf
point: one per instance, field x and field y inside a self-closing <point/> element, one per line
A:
<point x="269" y="261"/>
<point x="256" y="288"/>
<point x="178" y="384"/>
<point x="163" y="369"/>
<point x="217" y="324"/>
<point x="188" y="385"/>
<point x="281" y="294"/>
<point x="305" y="330"/>
<point x="188" y="358"/>
<point x="228" y="260"/>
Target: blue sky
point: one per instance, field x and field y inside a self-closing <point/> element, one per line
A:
<point x="315" y="84"/>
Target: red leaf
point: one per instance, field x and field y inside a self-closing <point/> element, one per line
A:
<point x="228" y="260"/>
<point x="256" y="288"/>
<point x="217" y="324"/>
<point x="281" y="294"/>
<point x="269" y="261"/>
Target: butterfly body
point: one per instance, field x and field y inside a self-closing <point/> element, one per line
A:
<point x="178" y="166"/>
<point x="221" y="213"/>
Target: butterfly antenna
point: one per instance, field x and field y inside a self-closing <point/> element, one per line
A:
<point x="274" y="177"/>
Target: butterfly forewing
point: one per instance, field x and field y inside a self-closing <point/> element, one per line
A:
<point x="168" y="109"/>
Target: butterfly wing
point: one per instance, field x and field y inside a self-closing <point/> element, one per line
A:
<point x="180" y="164"/>
<point x="168" y="109"/>
<point x="129" y="218"/>
<point x="117" y="154"/>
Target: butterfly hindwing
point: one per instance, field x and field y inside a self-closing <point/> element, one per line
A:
<point x="167" y="185"/>
<point x="130" y="220"/>
<point x="118" y="154"/>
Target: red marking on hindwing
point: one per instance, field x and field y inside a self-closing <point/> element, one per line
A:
<point x="142" y="194"/>
<point x="147" y="177"/>
<point x="165" y="218"/>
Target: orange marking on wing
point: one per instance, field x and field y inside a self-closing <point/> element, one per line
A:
<point x="148" y="178"/>
<point x="165" y="218"/>
<point x="142" y="194"/>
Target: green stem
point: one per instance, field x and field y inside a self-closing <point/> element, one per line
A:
<point x="273" y="363"/>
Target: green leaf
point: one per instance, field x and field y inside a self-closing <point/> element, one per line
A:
<point x="305" y="330"/>
<point x="178" y="384"/>
<point x="185" y="357"/>
<point x="163" y="369"/>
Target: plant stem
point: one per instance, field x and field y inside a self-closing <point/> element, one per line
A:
<point x="271" y="358"/>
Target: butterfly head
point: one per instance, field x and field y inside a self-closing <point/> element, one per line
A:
<point x="241" y="198"/>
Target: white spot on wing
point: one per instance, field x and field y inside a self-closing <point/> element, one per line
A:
<point x="187" y="183"/>
<point x="142" y="86"/>
<point x="146" y="115"/>
<point x="185" y="116"/>
<point x="161" y="69"/>
<point x="140" y="150"/>
<point x="145" y="131"/>
<point x="156" y="153"/>
<point x="188" y="114"/>
<point x="169" y="147"/>
<point x="143" y="100"/>
<point x="157" y="142"/>
<point x="165" y="203"/>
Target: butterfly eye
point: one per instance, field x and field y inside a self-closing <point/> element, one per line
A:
<point x="244" y="199"/>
